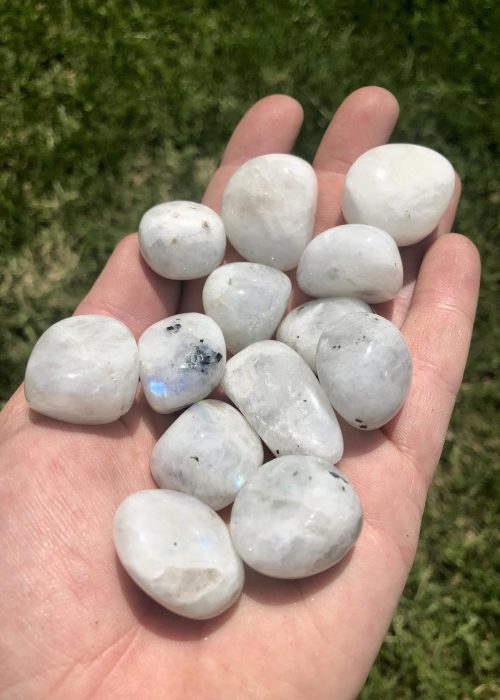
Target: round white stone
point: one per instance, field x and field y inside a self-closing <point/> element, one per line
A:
<point x="178" y="550"/>
<point x="364" y="366"/>
<point x="295" y="517"/>
<point x="352" y="260"/>
<point x="282" y="400"/>
<point x="268" y="209"/>
<point x="83" y="369"/>
<point x="182" y="360"/>
<point x="247" y="300"/>
<point x="208" y="452"/>
<point x="301" y="328"/>
<point x="401" y="188"/>
<point x="182" y="240"/>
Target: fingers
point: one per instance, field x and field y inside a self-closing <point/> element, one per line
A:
<point x="438" y="330"/>
<point x="270" y="126"/>
<point x="130" y="291"/>
<point x="364" y="120"/>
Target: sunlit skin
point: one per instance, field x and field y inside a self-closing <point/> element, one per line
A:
<point x="74" y="626"/>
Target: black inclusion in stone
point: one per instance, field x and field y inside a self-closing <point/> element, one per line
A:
<point x="201" y="358"/>
<point x="175" y="328"/>
<point x="363" y="427"/>
<point x="337" y="476"/>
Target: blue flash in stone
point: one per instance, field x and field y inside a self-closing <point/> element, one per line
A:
<point x="158" y="387"/>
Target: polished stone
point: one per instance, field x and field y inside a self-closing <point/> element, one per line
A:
<point x="301" y="328"/>
<point x="401" y="188"/>
<point x="352" y="260"/>
<point x="295" y="517"/>
<point x="247" y="300"/>
<point x="209" y="452"/>
<point x="182" y="240"/>
<point x="268" y="209"/>
<point x="282" y="400"/>
<point x="83" y="369"/>
<point x="182" y="360"/>
<point x="364" y="366"/>
<point x="178" y="550"/>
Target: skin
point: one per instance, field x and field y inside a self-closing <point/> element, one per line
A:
<point x="73" y="624"/>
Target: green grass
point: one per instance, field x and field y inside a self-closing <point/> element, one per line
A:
<point x="108" y="106"/>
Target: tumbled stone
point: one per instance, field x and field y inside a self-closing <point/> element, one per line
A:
<point x="83" y="369"/>
<point x="352" y="260"/>
<point x="301" y="328"/>
<point x="247" y="300"/>
<point x="182" y="240"/>
<point x="282" y="400"/>
<point x="364" y="366"/>
<point x="296" y="516"/>
<point x="268" y="209"/>
<point x="182" y="360"/>
<point x="178" y="550"/>
<point x="208" y="452"/>
<point x="401" y="188"/>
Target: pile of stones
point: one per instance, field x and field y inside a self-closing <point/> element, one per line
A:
<point x="297" y="514"/>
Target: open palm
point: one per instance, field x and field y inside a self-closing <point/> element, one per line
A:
<point x="73" y="624"/>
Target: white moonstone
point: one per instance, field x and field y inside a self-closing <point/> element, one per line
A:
<point x="182" y="360"/>
<point x="301" y="328"/>
<point x="83" y="369"/>
<point x="402" y="188"/>
<point x="364" y="366"/>
<point x="283" y="402"/>
<point x="352" y="260"/>
<point x="247" y="300"/>
<point x="268" y="209"/>
<point x="295" y="517"/>
<point x="178" y="550"/>
<point x="208" y="452"/>
<point x="182" y="240"/>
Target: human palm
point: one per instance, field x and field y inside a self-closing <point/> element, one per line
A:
<point x="73" y="624"/>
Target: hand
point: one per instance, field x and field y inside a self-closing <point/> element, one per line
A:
<point x="73" y="624"/>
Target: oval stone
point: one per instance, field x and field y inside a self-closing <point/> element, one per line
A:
<point x="401" y="188"/>
<point x="182" y="360"/>
<point x="208" y="452"/>
<point x="352" y="260"/>
<point x="182" y="240"/>
<point x="178" y="550"/>
<point x="83" y="369"/>
<point x="295" y="517"/>
<point x="268" y="209"/>
<point x="364" y="366"/>
<point x="247" y="300"/>
<point x="301" y="328"/>
<point x="282" y="400"/>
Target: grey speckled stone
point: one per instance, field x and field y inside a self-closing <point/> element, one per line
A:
<point x="364" y="366"/>
<point x="295" y="517"/>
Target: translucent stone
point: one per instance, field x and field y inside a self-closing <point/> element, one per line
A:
<point x="295" y="517"/>
<point x="402" y="188"/>
<point x="208" y="452"/>
<point x="83" y="369"/>
<point x="301" y="328"/>
<point x="182" y="240"/>
<point x="268" y="209"/>
<point x="352" y="260"/>
<point x="178" y="550"/>
<point x="282" y="400"/>
<point x="364" y="366"/>
<point x="247" y="300"/>
<point x="182" y="360"/>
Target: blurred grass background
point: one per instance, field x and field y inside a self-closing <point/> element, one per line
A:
<point x="109" y="106"/>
